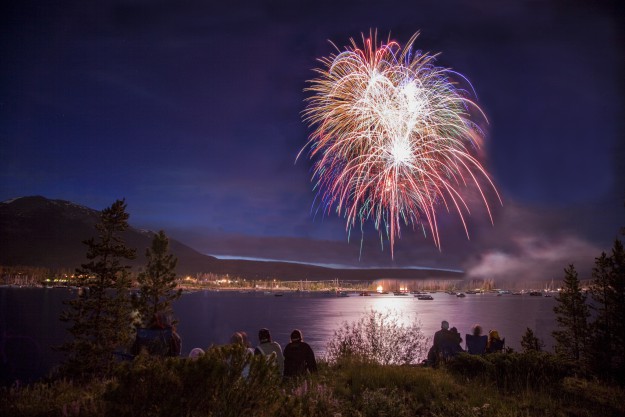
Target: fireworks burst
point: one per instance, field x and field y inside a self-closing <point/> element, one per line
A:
<point x="392" y="139"/>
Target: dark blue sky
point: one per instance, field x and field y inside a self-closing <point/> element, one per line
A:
<point x="191" y="110"/>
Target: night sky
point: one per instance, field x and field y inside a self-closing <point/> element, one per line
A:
<point x="192" y="112"/>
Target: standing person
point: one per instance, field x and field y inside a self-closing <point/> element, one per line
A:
<point x="269" y="348"/>
<point x="299" y="357"/>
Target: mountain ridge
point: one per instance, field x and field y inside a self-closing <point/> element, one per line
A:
<point x="42" y="232"/>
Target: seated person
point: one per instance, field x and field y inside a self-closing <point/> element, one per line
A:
<point x="476" y="342"/>
<point x="159" y="339"/>
<point x="495" y="343"/>
<point x="299" y="358"/>
<point x="446" y="344"/>
<point x="269" y="348"/>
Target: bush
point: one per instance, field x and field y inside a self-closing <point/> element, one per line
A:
<point x="58" y="398"/>
<point x="380" y="338"/>
<point x="512" y="371"/>
<point x="151" y="386"/>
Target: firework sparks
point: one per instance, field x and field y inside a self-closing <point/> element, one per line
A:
<point x="392" y="139"/>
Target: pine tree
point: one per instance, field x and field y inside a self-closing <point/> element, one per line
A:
<point x="100" y="317"/>
<point x="530" y="342"/>
<point x="599" y="352"/>
<point x="572" y="317"/>
<point x="618" y="298"/>
<point x="607" y="348"/>
<point x="157" y="283"/>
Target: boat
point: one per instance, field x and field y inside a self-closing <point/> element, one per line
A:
<point x="460" y="294"/>
<point x="342" y="294"/>
<point x="364" y="294"/>
<point x="400" y="293"/>
<point x="424" y="297"/>
<point x="471" y="292"/>
<point x="278" y="294"/>
<point x="536" y="293"/>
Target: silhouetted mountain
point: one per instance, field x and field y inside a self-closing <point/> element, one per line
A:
<point x="36" y="231"/>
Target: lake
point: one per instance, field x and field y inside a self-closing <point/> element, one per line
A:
<point x="30" y="315"/>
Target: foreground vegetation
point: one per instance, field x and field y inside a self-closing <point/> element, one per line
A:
<point x="507" y="384"/>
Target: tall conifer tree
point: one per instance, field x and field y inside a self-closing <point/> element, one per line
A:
<point x="572" y="317"/>
<point x="99" y="318"/>
<point x="607" y="348"/>
<point x="157" y="284"/>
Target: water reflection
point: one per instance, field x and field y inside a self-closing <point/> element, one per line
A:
<point x="319" y="316"/>
<point x="207" y="318"/>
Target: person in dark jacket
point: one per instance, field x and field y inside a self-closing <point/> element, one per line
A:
<point x="159" y="339"/>
<point x="299" y="357"/>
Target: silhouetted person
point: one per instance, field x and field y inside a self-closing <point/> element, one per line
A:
<point x="439" y="341"/>
<point x="299" y="357"/>
<point x="476" y="342"/>
<point x="160" y="338"/>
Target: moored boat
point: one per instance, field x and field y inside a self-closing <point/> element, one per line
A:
<point x="424" y="297"/>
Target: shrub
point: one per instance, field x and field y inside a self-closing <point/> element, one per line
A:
<point x="512" y="371"/>
<point x="530" y="342"/>
<point x="56" y="398"/>
<point x="378" y="337"/>
<point x="151" y="386"/>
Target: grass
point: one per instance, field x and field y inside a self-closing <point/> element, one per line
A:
<point x="213" y="386"/>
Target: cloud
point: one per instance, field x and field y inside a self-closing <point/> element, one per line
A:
<point x="534" y="259"/>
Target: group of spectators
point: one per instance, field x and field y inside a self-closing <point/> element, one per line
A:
<point x="448" y="343"/>
<point x="297" y="358"/>
<point x="161" y="338"/>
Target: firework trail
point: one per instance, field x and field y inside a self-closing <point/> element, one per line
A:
<point x="392" y="138"/>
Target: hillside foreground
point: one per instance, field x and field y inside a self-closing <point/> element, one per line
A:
<point x="505" y="384"/>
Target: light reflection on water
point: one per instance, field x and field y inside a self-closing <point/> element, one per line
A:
<point x="211" y="317"/>
<point x="207" y="318"/>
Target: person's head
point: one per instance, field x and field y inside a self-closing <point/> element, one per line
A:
<point x="236" y="339"/>
<point x="296" y="336"/>
<point x="246" y="341"/>
<point x="196" y="353"/>
<point x="445" y="325"/>
<point x="493" y="334"/>
<point x="264" y="336"/>
<point x="477" y="330"/>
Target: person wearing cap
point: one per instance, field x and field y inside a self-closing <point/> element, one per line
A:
<point x="299" y="357"/>
<point x="269" y="348"/>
